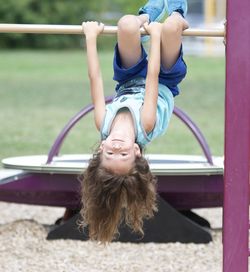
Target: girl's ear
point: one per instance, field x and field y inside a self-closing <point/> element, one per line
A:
<point x="100" y="149"/>
<point x="137" y="150"/>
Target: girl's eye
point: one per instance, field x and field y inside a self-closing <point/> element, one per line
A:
<point x="109" y="153"/>
<point x="124" y="154"/>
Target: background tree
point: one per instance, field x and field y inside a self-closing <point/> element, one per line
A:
<point x="58" y="12"/>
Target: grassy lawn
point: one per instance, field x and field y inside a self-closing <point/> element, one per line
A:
<point x="41" y="90"/>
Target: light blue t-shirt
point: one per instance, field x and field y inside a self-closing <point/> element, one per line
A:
<point x="132" y="98"/>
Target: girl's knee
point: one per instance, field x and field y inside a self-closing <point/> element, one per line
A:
<point x="128" y="24"/>
<point x="172" y="27"/>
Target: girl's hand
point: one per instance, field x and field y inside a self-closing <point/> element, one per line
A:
<point x="154" y="28"/>
<point x="92" y="29"/>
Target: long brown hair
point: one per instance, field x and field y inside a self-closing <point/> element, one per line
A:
<point x="109" y="199"/>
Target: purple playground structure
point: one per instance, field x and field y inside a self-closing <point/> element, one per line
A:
<point x="185" y="182"/>
<point x="237" y="138"/>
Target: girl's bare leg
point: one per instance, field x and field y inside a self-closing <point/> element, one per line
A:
<point x="129" y="39"/>
<point x="171" y="39"/>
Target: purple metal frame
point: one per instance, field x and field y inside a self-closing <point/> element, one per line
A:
<point x="182" y="192"/>
<point x="237" y="138"/>
<point x="63" y="190"/>
<point x="54" y="151"/>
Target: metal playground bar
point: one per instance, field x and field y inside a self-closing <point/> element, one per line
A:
<point x="77" y="30"/>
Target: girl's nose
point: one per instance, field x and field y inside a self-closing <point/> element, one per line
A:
<point x="116" y="146"/>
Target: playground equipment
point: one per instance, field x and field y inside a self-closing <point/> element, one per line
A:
<point x="76" y="29"/>
<point x="237" y="141"/>
<point x="184" y="182"/>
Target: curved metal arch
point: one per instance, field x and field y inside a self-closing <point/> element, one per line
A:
<point x="54" y="151"/>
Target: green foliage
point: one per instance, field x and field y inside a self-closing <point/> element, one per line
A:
<point x="58" y="12"/>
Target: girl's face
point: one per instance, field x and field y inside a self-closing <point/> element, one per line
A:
<point x="119" y="153"/>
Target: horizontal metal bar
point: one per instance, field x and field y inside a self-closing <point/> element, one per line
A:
<point x="77" y="29"/>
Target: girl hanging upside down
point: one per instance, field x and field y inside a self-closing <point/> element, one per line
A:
<point x="118" y="186"/>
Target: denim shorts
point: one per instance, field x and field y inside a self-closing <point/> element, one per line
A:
<point x="168" y="77"/>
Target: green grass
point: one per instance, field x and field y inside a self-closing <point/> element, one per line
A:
<point x="41" y="90"/>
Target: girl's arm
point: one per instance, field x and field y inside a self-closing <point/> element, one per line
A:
<point x="148" y="113"/>
<point x="91" y="31"/>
